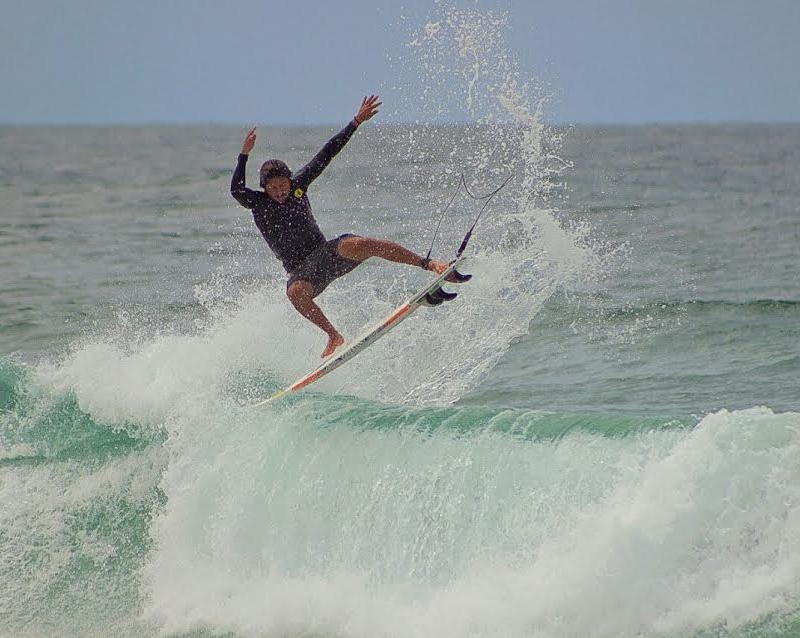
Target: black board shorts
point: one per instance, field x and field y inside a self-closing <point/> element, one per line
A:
<point x="322" y="266"/>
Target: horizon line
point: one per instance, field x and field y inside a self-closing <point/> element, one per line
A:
<point x="224" y="123"/>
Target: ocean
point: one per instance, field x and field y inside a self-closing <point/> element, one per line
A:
<point x="599" y="438"/>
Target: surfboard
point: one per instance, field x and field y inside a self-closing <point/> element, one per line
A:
<point x="429" y="295"/>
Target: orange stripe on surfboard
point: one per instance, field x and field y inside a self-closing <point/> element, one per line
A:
<point x="400" y="312"/>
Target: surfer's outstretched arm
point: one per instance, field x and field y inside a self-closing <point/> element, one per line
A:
<point x="312" y="170"/>
<point x="240" y="192"/>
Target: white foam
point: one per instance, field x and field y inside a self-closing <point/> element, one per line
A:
<point x="290" y="526"/>
<point x="124" y="377"/>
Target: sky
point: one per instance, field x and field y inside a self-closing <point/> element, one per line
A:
<point x="308" y="62"/>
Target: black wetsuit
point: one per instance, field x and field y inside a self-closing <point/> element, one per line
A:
<point x="289" y="227"/>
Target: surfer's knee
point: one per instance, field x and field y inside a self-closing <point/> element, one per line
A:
<point x="300" y="292"/>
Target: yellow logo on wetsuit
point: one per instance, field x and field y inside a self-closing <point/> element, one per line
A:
<point x="298" y="192"/>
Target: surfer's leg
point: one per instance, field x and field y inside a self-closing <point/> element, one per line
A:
<point x="360" y="248"/>
<point x="301" y="293"/>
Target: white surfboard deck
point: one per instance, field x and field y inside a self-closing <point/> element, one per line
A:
<point x="368" y="337"/>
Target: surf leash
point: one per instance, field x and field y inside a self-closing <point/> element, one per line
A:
<point x="487" y="197"/>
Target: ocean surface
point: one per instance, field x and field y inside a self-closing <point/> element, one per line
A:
<point x="599" y="438"/>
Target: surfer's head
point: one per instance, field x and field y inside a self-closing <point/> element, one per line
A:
<point x="276" y="179"/>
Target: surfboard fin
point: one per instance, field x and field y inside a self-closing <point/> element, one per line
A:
<point x="458" y="278"/>
<point x="438" y="296"/>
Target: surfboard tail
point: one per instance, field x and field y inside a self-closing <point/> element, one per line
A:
<point x="438" y="295"/>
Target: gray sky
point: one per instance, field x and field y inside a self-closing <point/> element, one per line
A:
<point x="282" y="62"/>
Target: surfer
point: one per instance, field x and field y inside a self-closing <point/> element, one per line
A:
<point x="282" y="212"/>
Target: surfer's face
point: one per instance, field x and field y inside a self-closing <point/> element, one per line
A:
<point x="278" y="188"/>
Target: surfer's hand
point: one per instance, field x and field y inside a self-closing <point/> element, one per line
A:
<point x="369" y="107"/>
<point x="249" y="141"/>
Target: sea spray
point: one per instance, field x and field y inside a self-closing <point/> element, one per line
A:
<point x="521" y="252"/>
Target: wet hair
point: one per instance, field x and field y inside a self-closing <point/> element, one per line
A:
<point x="274" y="168"/>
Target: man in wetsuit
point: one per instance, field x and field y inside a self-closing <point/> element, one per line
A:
<point x="282" y="213"/>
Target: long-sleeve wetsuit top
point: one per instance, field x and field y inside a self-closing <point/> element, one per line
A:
<point x="289" y="227"/>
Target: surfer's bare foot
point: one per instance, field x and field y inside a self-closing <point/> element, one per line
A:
<point x="454" y="277"/>
<point x="334" y="341"/>
<point x="437" y="266"/>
